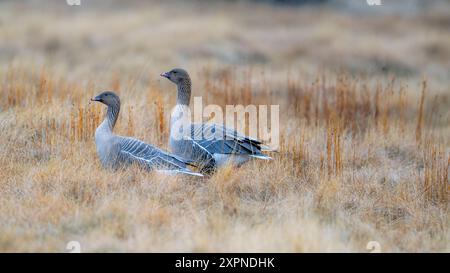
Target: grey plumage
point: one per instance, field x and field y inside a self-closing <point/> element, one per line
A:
<point x="225" y="140"/>
<point x="117" y="151"/>
<point x="208" y="143"/>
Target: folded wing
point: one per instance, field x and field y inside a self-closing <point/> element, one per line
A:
<point x="135" y="151"/>
<point x="216" y="138"/>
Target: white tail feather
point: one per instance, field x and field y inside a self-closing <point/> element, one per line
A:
<point x="175" y="172"/>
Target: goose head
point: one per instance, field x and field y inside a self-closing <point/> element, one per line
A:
<point x="108" y="98"/>
<point x="177" y="75"/>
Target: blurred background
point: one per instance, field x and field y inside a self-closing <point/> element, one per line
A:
<point x="364" y="124"/>
<point x="408" y="38"/>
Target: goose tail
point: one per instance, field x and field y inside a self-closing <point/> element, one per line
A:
<point x="175" y="172"/>
<point x="261" y="156"/>
<point x="265" y="148"/>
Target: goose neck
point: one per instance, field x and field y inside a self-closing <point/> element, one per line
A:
<point x="184" y="92"/>
<point x="111" y="116"/>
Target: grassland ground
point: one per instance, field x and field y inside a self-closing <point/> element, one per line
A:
<point x="364" y="149"/>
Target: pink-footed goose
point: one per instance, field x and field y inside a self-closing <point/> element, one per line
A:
<point x="209" y="152"/>
<point x="117" y="151"/>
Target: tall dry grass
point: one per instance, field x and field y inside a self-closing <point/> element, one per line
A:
<point x="364" y="126"/>
<point x="357" y="162"/>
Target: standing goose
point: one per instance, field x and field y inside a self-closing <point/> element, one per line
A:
<point x="117" y="151"/>
<point x="211" y="152"/>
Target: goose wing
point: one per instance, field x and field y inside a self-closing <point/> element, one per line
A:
<point x="204" y="159"/>
<point x="216" y="138"/>
<point x="135" y="151"/>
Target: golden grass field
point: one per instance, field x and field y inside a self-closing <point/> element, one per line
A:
<point x="364" y="125"/>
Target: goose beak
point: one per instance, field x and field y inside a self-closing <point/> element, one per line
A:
<point x="165" y="75"/>
<point x="96" y="99"/>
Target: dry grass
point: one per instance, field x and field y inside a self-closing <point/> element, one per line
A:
<point x="361" y="158"/>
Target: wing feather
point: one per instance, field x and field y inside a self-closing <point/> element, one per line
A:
<point x="135" y="151"/>
<point x="216" y="138"/>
